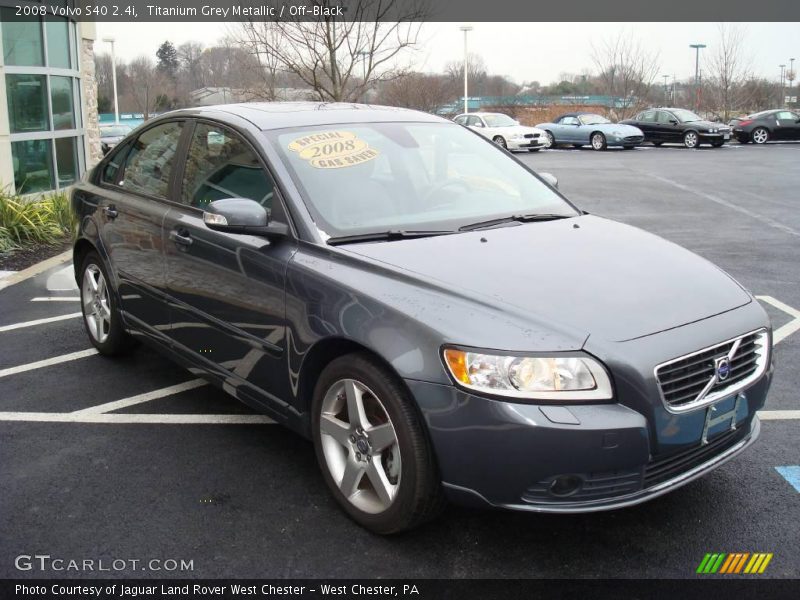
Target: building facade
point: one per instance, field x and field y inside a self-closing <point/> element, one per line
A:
<point x="49" y="132"/>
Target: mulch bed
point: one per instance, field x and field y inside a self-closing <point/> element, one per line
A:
<point x="30" y="255"/>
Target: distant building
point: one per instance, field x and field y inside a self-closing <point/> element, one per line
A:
<point x="49" y="131"/>
<point x="211" y="96"/>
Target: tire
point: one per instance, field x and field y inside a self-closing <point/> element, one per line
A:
<point x="578" y="146"/>
<point x="658" y="144"/>
<point x="101" y="316"/>
<point x="628" y="147"/>
<point x="760" y="135"/>
<point x="717" y="144"/>
<point x="500" y="141"/>
<point x="691" y="139"/>
<point x="551" y="141"/>
<point x="533" y="149"/>
<point x="404" y="468"/>
<point x="598" y="141"/>
<point x="742" y="140"/>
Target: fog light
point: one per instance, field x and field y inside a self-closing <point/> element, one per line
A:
<point x="565" y="485"/>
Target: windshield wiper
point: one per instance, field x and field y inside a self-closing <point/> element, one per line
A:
<point x="512" y="219"/>
<point x="390" y="235"/>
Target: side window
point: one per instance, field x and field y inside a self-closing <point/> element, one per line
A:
<point x="664" y="117"/>
<point x="111" y="170"/>
<point x="462" y="120"/>
<point x="569" y="121"/>
<point x="149" y="163"/>
<point x="648" y="116"/>
<point x="221" y="165"/>
<point x="474" y="122"/>
<point x="785" y="115"/>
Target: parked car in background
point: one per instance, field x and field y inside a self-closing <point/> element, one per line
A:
<point x="767" y="126"/>
<point x="582" y="128"/>
<point x="433" y="315"/>
<point x="504" y="131"/>
<point x="111" y="135"/>
<point x="679" y="126"/>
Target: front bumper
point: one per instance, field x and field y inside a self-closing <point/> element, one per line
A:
<point x="628" y="140"/>
<point x="494" y="453"/>
<point x="723" y="136"/>
<point x="525" y="143"/>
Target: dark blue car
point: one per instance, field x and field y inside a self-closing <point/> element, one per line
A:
<point x="436" y="317"/>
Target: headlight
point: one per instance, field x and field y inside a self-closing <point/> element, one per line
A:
<point x="712" y="130"/>
<point x="617" y="133"/>
<point x="530" y="377"/>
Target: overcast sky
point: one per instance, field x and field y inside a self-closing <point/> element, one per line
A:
<point x="523" y="51"/>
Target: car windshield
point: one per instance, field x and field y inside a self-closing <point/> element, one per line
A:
<point x="593" y="120"/>
<point x="120" y="131"/>
<point x="499" y="121"/>
<point x="375" y="177"/>
<point x="685" y="116"/>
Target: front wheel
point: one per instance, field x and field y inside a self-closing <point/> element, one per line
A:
<point x="551" y="140"/>
<point x="500" y="141"/>
<point x="657" y="144"/>
<point x="371" y="446"/>
<point x="101" y="315"/>
<point x="760" y="135"/>
<point x="690" y="139"/>
<point x="599" y="141"/>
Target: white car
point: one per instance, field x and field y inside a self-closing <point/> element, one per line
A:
<point x="504" y="131"/>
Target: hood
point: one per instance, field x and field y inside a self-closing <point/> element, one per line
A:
<point x="521" y="129"/>
<point x="603" y="278"/>
<point x="705" y="124"/>
<point x="624" y="128"/>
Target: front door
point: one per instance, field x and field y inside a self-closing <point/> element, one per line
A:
<point x="647" y="123"/>
<point x="787" y="126"/>
<point x="136" y="183"/>
<point x="667" y="127"/>
<point x="228" y="289"/>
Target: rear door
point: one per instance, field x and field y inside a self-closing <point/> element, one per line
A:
<point x="646" y="121"/>
<point x="228" y="289"/>
<point x="137" y="184"/>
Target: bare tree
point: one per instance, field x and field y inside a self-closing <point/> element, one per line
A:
<point x="339" y="60"/>
<point x="477" y="73"/>
<point x="627" y="71"/>
<point x="421" y="91"/>
<point x="726" y="70"/>
<point x="146" y="84"/>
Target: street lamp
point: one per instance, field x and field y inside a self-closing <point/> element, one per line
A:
<point x="110" y="40"/>
<point x="666" y="97"/>
<point x="697" y="73"/>
<point x="790" y="75"/>
<point x="363" y="55"/>
<point x="466" y="29"/>
<point x="783" y="91"/>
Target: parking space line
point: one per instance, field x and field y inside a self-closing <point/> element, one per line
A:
<point x="39" y="322"/>
<point x="47" y="362"/>
<point x="110" y="418"/>
<point x="56" y="299"/>
<point x="789" y="328"/>
<point x="791" y="473"/>
<point x="140" y="398"/>
<point x="778" y="415"/>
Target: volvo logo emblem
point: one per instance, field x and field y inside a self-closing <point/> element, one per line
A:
<point x="723" y="368"/>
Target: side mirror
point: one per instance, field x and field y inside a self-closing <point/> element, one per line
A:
<point x="240" y="215"/>
<point x="674" y="121"/>
<point x="550" y="179"/>
<point x="478" y="124"/>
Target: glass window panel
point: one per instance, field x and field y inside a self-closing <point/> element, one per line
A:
<point x="149" y="163"/>
<point x="66" y="161"/>
<point x="58" y="54"/>
<point x="22" y="40"/>
<point x="63" y="109"/>
<point x="27" y="103"/>
<point x="221" y="165"/>
<point x="33" y="166"/>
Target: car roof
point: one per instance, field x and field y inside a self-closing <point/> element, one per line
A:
<point x="279" y="115"/>
<point x="577" y="114"/>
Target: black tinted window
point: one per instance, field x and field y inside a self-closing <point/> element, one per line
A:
<point x="664" y="117"/>
<point x="648" y="116"/>
<point x="111" y="169"/>
<point x="150" y="160"/>
<point x="221" y="165"/>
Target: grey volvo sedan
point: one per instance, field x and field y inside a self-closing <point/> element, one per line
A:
<point x="436" y="317"/>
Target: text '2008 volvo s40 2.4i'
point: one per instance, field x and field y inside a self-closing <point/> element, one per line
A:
<point x="437" y="318"/>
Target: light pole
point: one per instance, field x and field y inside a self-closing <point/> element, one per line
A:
<point x="790" y="76"/>
<point x="110" y="40"/>
<point x="363" y="56"/>
<point x="697" y="73"/>
<point x="666" y="92"/>
<point x="466" y="29"/>
<point x="783" y="91"/>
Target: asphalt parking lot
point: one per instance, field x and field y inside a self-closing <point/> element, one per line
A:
<point x="135" y="459"/>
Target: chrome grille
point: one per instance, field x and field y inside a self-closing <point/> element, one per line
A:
<point x="532" y="135"/>
<point x="693" y="380"/>
<point x="634" y="138"/>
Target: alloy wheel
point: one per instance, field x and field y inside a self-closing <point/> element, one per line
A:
<point x="360" y="446"/>
<point x="598" y="141"/>
<point x="690" y="139"/>
<point x="500" y="141"/>
<point x="96" y="303"/>
<point x="760" y="136"/>
<point x="551" y="141"/>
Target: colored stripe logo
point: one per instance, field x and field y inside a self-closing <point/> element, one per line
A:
<point x="734" y="563"/>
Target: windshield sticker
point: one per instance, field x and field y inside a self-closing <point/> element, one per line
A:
<point x="333" y="149"/>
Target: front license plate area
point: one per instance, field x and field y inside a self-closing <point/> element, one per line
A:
<point x="727" y="136"/>
<point x="721" y="417"/>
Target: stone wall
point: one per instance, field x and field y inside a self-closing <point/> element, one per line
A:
<point x="89" y="85"/>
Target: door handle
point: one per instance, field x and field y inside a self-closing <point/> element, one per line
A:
<point x="180" y="238"/>
<point x="111" y="212"/>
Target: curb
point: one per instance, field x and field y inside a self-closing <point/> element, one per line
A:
<point x="34" y="270"/>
